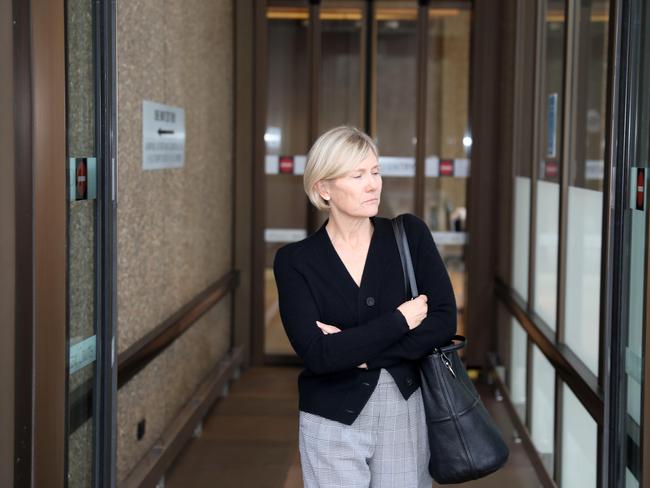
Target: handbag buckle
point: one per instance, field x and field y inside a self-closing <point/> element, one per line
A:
<point x="447" y="363"/>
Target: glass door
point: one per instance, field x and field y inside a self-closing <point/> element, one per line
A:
<point x="353" y="62"/>
<point x="630" y="330"/>
<point x="91" y="196"/>
<point x="287" y="142"/>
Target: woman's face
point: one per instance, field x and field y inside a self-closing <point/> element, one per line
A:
<point x="357" y="193"/>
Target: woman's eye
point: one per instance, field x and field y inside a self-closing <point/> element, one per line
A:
<point x="357" y="176"/>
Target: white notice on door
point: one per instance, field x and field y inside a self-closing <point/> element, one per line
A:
<point x="163" y="136"/>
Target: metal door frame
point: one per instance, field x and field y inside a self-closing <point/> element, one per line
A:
<point x="41" y="347"/>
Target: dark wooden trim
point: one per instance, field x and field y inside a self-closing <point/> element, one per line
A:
<point x="7" y="245"/>
<point x="482" y="209"/>
<point x="364" y="115"/>
<point x="314" y="60"/>
<point x="50" y="243"/>
<point x="421" y="106"/>
<point x="372" y="30"/>
<point x="573" y="372"/>
<point x="179" y="431"/>
<point x="259" y="186"/>
<point x="146" y="349"/>
<point x="24" y="242"/>
<point x="522" y="430"/>
<point x="367" y="67"/>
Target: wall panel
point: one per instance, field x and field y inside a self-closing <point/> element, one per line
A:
<point x="174" y="225"/>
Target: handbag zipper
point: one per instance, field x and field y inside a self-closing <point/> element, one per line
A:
<point x="446" y="362"/>
<point x="454" y="418"/>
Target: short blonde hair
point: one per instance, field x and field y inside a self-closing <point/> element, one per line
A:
<point x="336" y="152"/>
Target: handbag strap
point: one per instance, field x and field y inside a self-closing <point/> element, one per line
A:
<point x="458" y="341"/>
<point x="405" y="256"/>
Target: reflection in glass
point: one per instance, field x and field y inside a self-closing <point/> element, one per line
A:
<point x="340" y="68"/>
<point x="548" y="195"/>
<point x="448" y="142"/>
<point x="518" y="362"/>
<point x="584" y="229"/>
<point x="579" y="443"/>
<point x="543" y="407"/>
<point x="394" y="121"/>
<point x="287" y="144"/>
<point x="521" y="236"/>
<point x="342" y="36"/>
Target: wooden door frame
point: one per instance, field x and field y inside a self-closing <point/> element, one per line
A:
<point x="7" y="247"/>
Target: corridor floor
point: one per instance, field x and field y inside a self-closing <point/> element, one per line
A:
<point x="250" y="439"/>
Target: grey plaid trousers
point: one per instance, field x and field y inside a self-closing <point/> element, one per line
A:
<point x="386" y="446"/>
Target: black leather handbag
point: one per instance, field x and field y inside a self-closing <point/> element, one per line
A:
<point x="464" y="441"/>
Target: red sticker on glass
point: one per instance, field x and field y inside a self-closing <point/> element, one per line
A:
<point x="446" y="167"/>
<point x="551" y="169"/>
<point x="286" y="164"/>
<point x="640" y="188"/>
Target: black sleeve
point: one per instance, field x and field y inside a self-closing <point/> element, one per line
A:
<point x="332" y="352"/>
<point x="432" y="279"/>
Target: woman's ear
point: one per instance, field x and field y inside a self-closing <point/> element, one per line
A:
<point x="323" y="190"/>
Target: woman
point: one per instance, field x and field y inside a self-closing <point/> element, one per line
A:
<point x="344" y="309"/>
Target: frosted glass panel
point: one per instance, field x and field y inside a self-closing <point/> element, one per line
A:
<point x="579" y="443"/>
<point x="630" y="480"/>
<point x="547" y="214"/>
<point x="543" y="407"/>
<point x="517" y="384"/>
<point x="583" y="274"/>
<point x="634" y="348"/>
<point x="521" y="232"/>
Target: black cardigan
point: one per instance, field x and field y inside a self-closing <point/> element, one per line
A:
<point x="314" y="284"/>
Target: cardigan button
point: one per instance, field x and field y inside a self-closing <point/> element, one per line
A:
<point x="370" y="301"/>
<point x="349" y="411"/>
<point x="409" y="381"/>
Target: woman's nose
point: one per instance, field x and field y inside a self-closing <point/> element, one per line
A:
<point x="372" y="185"/>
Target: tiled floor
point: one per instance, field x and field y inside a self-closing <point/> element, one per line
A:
<point x="250" y="440"/>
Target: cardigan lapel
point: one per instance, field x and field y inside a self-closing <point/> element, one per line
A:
<point x="328" y="263"/>
<point x="379" y="253"/>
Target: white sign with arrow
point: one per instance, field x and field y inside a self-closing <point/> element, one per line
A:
<point x="163" y="136"/>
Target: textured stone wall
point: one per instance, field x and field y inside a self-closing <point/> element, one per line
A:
<point x="174" y="225"/>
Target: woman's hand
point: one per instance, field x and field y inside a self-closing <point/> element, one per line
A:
<point x="414" y="311"/>
<point x="332" y="329"/>
<point x="327" y="329"/>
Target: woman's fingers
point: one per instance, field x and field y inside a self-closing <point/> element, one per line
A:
<point x="327" y="329"/>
